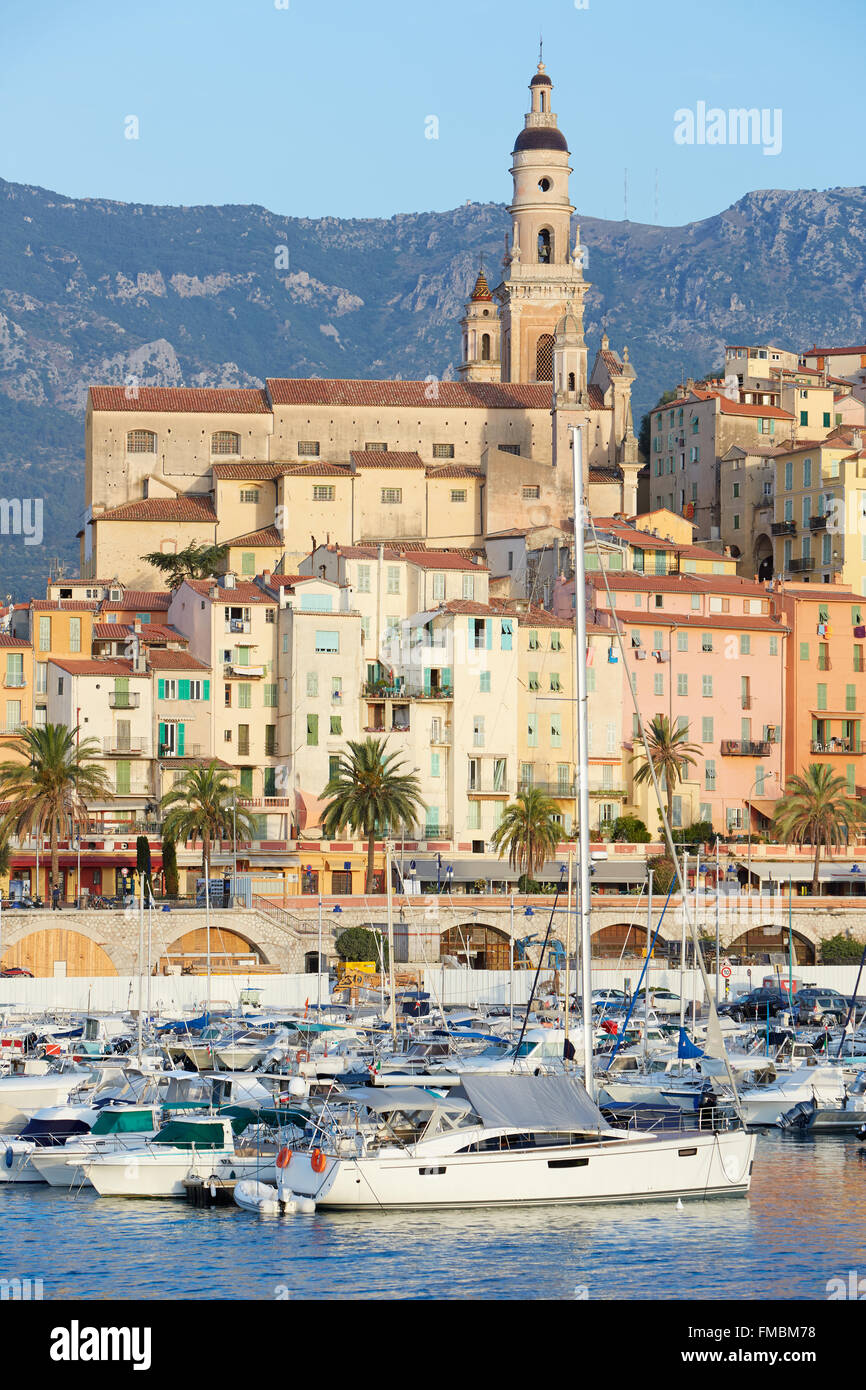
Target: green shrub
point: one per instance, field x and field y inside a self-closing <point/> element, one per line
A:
<point x="664" y="873"/>
<point x="357" y="943"/>
<point x="169" y="868"/>
<point x="631" y="830"/>
<point x="840" y="950"/>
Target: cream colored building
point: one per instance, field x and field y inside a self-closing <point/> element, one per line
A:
<point x="820" y="511"/>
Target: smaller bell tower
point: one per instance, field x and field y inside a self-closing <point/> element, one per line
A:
<point x="480" y="329"/>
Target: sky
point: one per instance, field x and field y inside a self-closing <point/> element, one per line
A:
<point x="327" y="107"/>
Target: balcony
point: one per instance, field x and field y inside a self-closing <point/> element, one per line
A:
<point x="434" y="832"/>
<point x="238" y="625"/>
<point x="562" y="790"/>
<point x="126" y="747"/>
<point x="745" y="748"/>
<point x="190" y="750"/>
<point x="124" y="699"/>
<point x="837" y="745"/>
<point x="783" y="528"/>
<point x="486" y="786"/>
<point x="441" y="738"/>
<point x="803" y="565"/>
<point x="231" y="671"/>
<point x="14" y="680"/>
<point x="817" y="523"/>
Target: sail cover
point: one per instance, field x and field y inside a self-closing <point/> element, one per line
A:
<point x="533" y="1102"/>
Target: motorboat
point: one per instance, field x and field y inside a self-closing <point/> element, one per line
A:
<point x="45" y="1130"/>
<point x="195" y="1146"/>
<point x="22" y="1096"/>
<point x="116" y="1128"/>
<point x="510" y="1140"/>
<point x="765" y="1104"/>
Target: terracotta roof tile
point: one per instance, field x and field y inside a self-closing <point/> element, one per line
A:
<point x="464" y="395"/>
<point x="681" y="583"/>
<point x="752" y="621"/>
<point x="110" y="666"/>
<point x="454" y="470"/>
<point x="64" y="605"/>
<point x="160" y="509"/>
<point x="253" y="471"/>
<point x="242" y="592"/>
<point x="378" y="458"/>
<point x="162" y="660"/>
<point x="316" y="470"/>
<point x="442" y="560"/>
<point x="222" y="400"/>
<point x="140" y="600"/>
<point x="7" y="640"/>
<point x="268" y="535"/>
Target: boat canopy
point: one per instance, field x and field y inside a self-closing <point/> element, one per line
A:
<point x="129" y="1120"/>
<point x="404" y="1098"/>
<point x="183" y="1134"/>
<point x="558" y="1103"/>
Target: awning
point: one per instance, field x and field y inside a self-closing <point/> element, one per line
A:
<point x="533" y="1102"/>
<point x="780" y="870"/>
<point x="465" y="870"/>
<point x="403" y="1098"/>
<point x="764" y="806"/>
<point x="310" y="809"/>
<point x="604" y="871"/>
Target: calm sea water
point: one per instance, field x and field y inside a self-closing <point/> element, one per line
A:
<point x="803" y="1223"/>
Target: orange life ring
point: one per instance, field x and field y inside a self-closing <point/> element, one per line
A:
<point x="303" y="1056"/>
<point x="284" y="1158"/>
<point x="317" y="1161"/>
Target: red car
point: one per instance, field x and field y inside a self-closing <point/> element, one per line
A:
<point x="15" y="970"/>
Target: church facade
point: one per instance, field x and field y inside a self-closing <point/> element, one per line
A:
<point x="273" y="471"/>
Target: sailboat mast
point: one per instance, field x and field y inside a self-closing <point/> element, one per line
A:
<point x="582" y="754"/>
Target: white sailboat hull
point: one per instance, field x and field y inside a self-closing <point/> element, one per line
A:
<point x="161" y="1174"/>
<point x="642" y="1169"/>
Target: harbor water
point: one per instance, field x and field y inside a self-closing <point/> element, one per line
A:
<point x="802" y="1225"/>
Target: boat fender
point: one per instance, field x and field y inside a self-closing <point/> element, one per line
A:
<point x="303" y="1057"/>
<point x="213" y="1191"/>
<point x="10" y="1157"/>
<point x="305" y="1205"/>
<point x="290" y="1206"/>
<point x="317" y="1161"/>
<point x="284" y="1158"/>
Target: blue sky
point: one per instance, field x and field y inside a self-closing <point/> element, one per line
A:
<point x="321" y="107"/>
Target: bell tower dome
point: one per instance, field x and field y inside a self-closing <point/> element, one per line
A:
<point x="543" y="273"/>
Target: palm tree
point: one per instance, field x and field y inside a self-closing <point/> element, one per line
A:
<point x="369" y="793"/>
<point x="669" y="753"/>
<point x="817" y="809"/>
<point x="193" y="562"/>
<point x="201" y="805"/>
<point x="50" y="784"/>
<point x="528" y="831"/>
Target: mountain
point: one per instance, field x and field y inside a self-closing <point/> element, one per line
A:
<point x="92" y="290"/>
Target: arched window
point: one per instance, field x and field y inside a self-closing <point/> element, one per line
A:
<point x="571" y="381"/>
<point x="225" y="442"/>
<point x="543" y="101"/>
<point x="544" y="246"/>
<point x="485" y="347"/>
<point x="544" y="358"/>
<point x="141" y="442"/>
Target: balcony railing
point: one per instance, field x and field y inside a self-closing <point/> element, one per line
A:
<point x="837" y="745"/>
<point x="237" y="625"/>
<point x="553" y="789"/>
<point x="231" y="671"/>
<point x="745" y="748"/>
<point x="124" y="699"/>
<point x="817" y="523"/>
<point x="127" y="747"/>
<point x="803" y="566"/>
<point x="441" y="737"/>
<point x="14" y="681"/>
<point x="190" y="750"/>
<point x="783" y="528"/>
<point x="486" y="786"/>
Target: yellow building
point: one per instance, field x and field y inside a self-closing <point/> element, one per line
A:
<point x="820" y="511"/>
<point x="16" y="665"/>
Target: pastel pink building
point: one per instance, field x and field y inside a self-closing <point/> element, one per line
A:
<point x="707" y="651"/>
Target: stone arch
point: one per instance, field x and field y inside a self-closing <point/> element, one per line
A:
<point x="477" y="945"/>
<point x="485" y="347"/>
<point x="763" y="555"/>
<point x="229" y="950"/>
<point x="545" y="246"/>
<point x="765" y="944"/>
<point x="38" y="949"/>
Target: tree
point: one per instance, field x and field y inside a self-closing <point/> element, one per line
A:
<point x="670" y="755"/>
<point x="368" y="793"/>
<point x="357" y="943"/>
<point x="528" y="831"/>
<point x="201" y="806"/>
<point x="142" y="862"/>
<point x="169" y="867"/>
<point x="50" y="783"/>
<point x="664" y="873"/>
<point x="817" y="810"/>
<point x="193" y="562"/>
<point x="840" y="950"/>
<point x="631" y="830"/>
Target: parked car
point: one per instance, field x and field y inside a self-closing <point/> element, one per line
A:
<point x="15" y="971"/>
<point x="755" y="1006"/>
<point x="820" y="1006"/>
<point x="664" y="1001"/>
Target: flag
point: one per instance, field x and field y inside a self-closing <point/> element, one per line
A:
<point x="52" y="1049"/>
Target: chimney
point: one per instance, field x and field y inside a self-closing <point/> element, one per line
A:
<point x="267" y="577"/>
<point x="136" y="625"/>
<point x="214" y="591"/>
<point x="229" y="581"/>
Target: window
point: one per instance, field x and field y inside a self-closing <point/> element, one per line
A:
<point x="658" y="684"/>
<point x="826" y="419"/>
<point x="435" y="765"/>
<point x="122" y="778"/>
<point x="682" y="641"/>
<point x="804" y="417"/>
<point x="485" y="682"/>
<point x="505" y="634"/>
<point x="323" y="492"/>
<point x="710" y="774"/>
<point x="245" y="695"/>
<point x="555" y="642"/>
<point x="393" y="579"/>
<point x="248" y="562"/>
<point x="141" y="442"/>
<point x="392" y="496"/>
<point x="458" y="494"/>
<point x="363" y="579"/>
<point x="376" y="448"/>
<point x="745" y="644"/>
<point x="227" y="696"/>
<point x="438" y="585"/>
<point x="443" y="451"/>
<point x="774" y="646"/>
<point x="336" y="689"/>
<point x="269" y="694"/>
<point x="707" y="728"/>
<point x="532" y="731"/>
<point x="850" y="697"/>
<point x="312" y="730"/>
<point x="510" y="448"/>
<point x="736" y="522"/>
<point x="534" y="644"/>
<point x="478" y="731"/>
<point x="336" y="723"/>
<point x="533" y="680"/>
<point x="682" y="685"/>
<point x="44" y="633"/>
<point x="736" y="489"/>
<point x="554" y="682"/>
<point x="821" y="699"/>
<point x="249" y="494"/>
<point x="75" y="634"/>
<point x="312" y="684"/>
<point x="858" y="658"/>
<point x="707" y="687"/>
<point x="469" y="586"/>
<point x="531" y="494"/>
<point x="556" y="731"/>
<point x="225" y="442"/>
<point x="327" y="641"/>
<point x="807" y="472"/>
<point x="789" y="476"/>
<point x="308" y="448"/>
<point x="804" y="651"/>
<point x="42" y="678"/>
